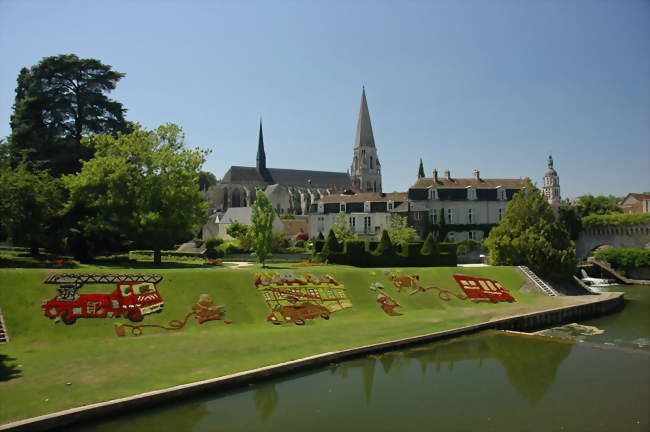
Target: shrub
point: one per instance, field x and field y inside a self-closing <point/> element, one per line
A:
<point x="625" y="258"/>
<point x="299" y="243"/>
<point x="212" y="250"/>
<point x="237" y="230"/>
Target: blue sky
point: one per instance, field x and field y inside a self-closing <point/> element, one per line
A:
<point x="495" y="85"/>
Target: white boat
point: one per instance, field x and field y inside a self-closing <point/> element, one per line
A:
<point x="596" y="282"/>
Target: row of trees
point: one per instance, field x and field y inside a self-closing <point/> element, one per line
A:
<point x="76" y="176"/>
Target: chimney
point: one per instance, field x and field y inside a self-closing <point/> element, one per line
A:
<point x="435" y="175"/>
<point x="447" y="175"/>
<point x="476" y="175"/>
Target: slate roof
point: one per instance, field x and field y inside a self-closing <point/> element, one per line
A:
<point x="363" y="197"/>
<point x="288" y="177"/>
<point x="414" y="207"/>
<point x="459" y="183"/>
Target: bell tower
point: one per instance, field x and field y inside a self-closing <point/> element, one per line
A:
<point x="551" y="187"/>
<point x="365" y="171"/>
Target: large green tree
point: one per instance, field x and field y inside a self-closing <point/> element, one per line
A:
<point x="29" y="201"/>
<point x="58" y="101"/>
<point x="261" y="232"/>
<point x="529" y="235"/>
<point x="141" y="185"/>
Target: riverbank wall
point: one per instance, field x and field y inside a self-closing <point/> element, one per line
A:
<point x="590" y="306"/>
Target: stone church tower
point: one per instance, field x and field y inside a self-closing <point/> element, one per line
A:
<point x="365" y="172"/>
<point x="551" y="188"/>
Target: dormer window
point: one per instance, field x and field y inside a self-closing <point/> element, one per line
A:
<point x="501" y="193"/>
<point x="366" y="207"/>
<point x="471" y="193"/>
<point x="342" y="207"/>
<point x="321" y="208"/>
<point x="391" y="205"/>
<point x="433" y="194"/>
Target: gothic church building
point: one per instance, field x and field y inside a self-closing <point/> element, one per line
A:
<point x="293" y="191"/>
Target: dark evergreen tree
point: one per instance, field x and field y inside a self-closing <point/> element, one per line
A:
<point x="421" y="170"/>
<point x="58" y="101"/>
<point x="568" y="216"/>
<point x="385" y="245"/>
<point x="442" y="226"/>
<point x="331" y="244"/>
<point x="429" y="247"/>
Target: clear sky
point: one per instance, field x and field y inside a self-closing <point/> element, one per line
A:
<point x="495" y="85"/>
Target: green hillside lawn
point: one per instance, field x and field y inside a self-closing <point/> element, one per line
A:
<point x="43" y="355"/>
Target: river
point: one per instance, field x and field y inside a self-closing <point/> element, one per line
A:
<point x="594" y="376"/>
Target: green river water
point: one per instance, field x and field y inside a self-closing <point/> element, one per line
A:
<point x="594" y="376"/>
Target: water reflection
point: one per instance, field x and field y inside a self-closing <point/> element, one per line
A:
<point x="265" y="400"/>
<point x="530" y="362"/>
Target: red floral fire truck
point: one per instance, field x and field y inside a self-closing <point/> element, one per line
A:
<point x="483" y="289"/>
<point x="134" y="297"/>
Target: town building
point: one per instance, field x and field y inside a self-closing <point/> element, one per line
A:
<point x="366" y="214"/>
<point x="636" y="203"/>
<point x="551" y="184"/>
<point x="470" y="206"/>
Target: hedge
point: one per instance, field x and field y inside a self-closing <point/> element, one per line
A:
<point x="168" y="253"/>
<point x="615" y="219"/>
<point x="625" y="258"/>
<point x="357" y="253"/>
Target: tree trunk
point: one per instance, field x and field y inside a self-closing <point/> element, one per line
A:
<point x="157" y="256"/>
<point x="33" y="249"/>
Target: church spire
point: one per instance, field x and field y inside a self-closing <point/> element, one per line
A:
<point x="365" y="172"/>
<point x="364" y="136"/>
<point x="261" y="155"/>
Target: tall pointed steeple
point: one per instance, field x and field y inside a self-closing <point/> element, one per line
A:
<point x="365" y="172"/>
<point x="364" y="136"/>
<point x="261" y="155"/>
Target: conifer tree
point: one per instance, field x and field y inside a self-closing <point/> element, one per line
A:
<point x="58" y="101"/>
<point x="442" y="226"/>
<point x="421" y="170"/>
<point x="429" y="247"/>
<point x="385" y="245"/>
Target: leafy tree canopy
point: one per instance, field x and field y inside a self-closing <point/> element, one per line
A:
<point x="28" y="203"/>
<point x="141" y="185"/>
<point x="600" y="205"/>
<point x="237" y="230"/>
<point x="206" y="179"/>
<point x="58" y="101"/>
<point x="569" y="218"/>
<point x="342" y="229"/>
<point x="399" y="231"/>
<point x="261" y="233"/>
<point x="530" y="236"/>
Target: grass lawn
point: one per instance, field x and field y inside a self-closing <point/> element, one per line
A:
<point x="43" y="356"/>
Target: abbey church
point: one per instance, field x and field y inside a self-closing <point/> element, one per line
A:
<point x="293" y="191"/>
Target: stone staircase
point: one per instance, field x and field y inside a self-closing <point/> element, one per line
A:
<point x="4" y="336"/>
<point x="536" y="280"/>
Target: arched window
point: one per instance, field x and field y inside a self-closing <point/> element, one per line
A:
<point x="374" y="187"/>
<point x="368" y="189"/>
<point x="371" y="162"/>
